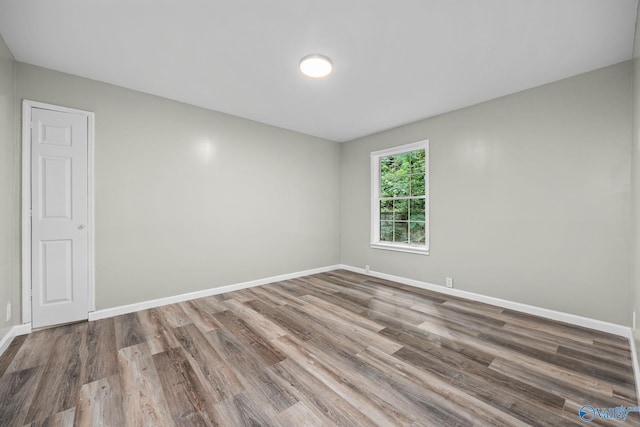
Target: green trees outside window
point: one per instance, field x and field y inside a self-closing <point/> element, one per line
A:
<point x="402" y="198"/>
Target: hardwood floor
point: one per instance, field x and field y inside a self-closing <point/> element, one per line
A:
<point x="337" y="348"/>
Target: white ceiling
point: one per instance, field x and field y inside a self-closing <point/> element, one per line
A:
<point x="395" y="61"/>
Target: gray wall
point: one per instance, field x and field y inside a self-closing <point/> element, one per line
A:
<point x="9" y="193"/>
<point x="530" y="197"/>
<point x="190" y="199"/>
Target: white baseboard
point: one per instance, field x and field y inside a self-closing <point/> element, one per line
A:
<point x="634" y="360"/>
<point x="124" y="309"/>
<point x="13" y="332"/>
<point x="525" y="308"/>
<point x="573" y="319"/>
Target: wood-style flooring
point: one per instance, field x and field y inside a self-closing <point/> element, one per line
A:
<point x="337" y="348"/>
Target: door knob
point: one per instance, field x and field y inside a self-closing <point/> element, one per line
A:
<point x="81" y="227"/>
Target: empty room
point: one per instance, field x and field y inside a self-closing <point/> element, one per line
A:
<point x="297" y="213"/>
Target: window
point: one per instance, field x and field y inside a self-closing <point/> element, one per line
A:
<point x="400" y="198"/>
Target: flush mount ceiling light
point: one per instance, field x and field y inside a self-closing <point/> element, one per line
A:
<point x="316" y="66"/>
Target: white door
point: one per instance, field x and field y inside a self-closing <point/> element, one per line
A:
<point x="59" y="217"/>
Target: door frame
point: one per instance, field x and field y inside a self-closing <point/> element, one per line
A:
<point x="27" y="105"/>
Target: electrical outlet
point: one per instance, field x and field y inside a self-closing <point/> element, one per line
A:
<point x="366" y="268"/>
<point x="8" y="311"/>
<point x="449" y="282"/>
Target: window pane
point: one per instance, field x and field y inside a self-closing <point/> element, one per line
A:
<point x="402" y="163"/>
<point x="417" y="232"/>
<point x="386" y="210"/>
<point x="417" y="162"/>
<point x="400" y="202"/>
<point x="417" y="185"/>
<point x="416" y="210"/>
<point x="387" y="176"/>
<point x="400" y="232"/>
<point x="403" y="174"/>
<point x="401" y="210"/>
<point x="386" y="231"/>
<point x="402" y="185"/>
<point x="386" y="165"/>
<point x="386" y="186"/>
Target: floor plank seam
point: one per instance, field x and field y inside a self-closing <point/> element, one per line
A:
<point x="335" y="348"/>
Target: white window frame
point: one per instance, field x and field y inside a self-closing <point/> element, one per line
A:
<point x="376" y="243"/>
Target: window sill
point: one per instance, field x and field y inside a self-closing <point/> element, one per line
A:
<point x="401" y="248"/>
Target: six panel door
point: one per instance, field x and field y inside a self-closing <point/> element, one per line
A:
<point x="59" y="203"/>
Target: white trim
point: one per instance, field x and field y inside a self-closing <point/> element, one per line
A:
<point x="573" y="319"/>
<point x="375" y="241"/>
<point x="130" y="308"/>
<point x="16" y="330"/>
<point x="26" y="212"/>
<point x="400" y="149"/>
<point x="634" y="360"/>
<point x="91" y="223"/>
<point x="26" y="202"/>
<point x="400" y="248"/>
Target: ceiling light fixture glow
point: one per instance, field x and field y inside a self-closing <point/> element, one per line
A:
<point x="316" y="66"/>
